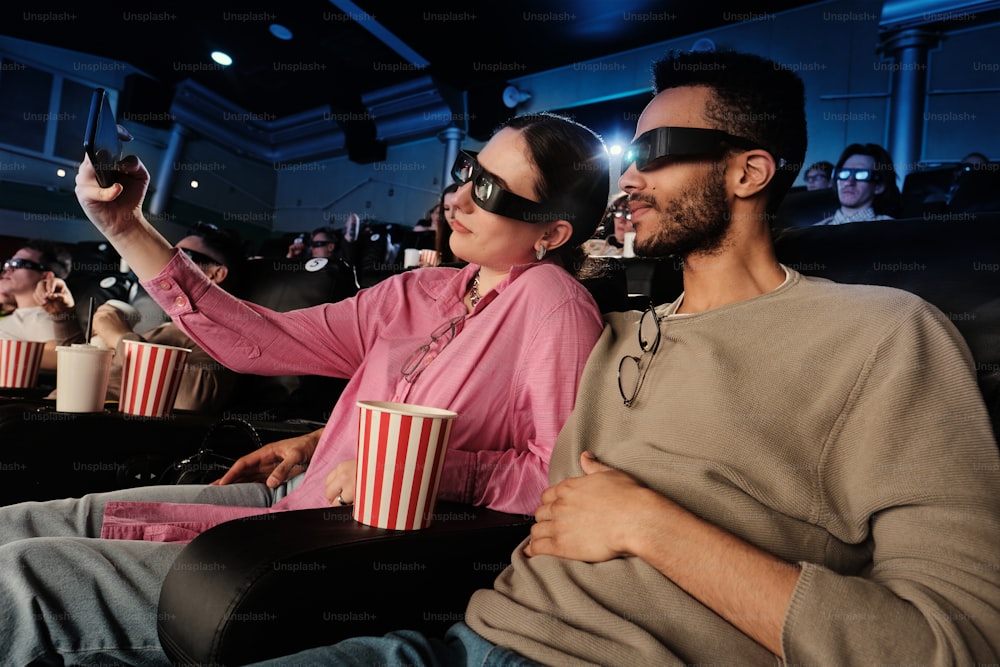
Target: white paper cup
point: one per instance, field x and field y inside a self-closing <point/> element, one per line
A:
<point x="151" y="376"/>
<point x="629" y="245"/>
<point x="411" y="258"/>
<point x="82" y="374"/>
<point x="20" y="361"/>
<point x="401" y="450"/>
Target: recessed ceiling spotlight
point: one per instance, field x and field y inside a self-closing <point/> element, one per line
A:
<point x="222" y="58"/>
<point x="280" y="31"/>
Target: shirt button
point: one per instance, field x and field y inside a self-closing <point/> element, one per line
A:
<point x="165" y="284"/>
<point x="180" y="301"/>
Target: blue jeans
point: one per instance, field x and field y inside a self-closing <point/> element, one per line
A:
<point x="69" y="597"/>
<point x="460" y="647"/>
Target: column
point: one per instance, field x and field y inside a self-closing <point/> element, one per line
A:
<point x="452" y="138"/>
<point x="907" y="103"/>
<point x="168" y="171"/>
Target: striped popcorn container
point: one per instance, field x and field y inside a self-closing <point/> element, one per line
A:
<point x="401" y="449"/>
<point x="151" y="375"/>
<point x="20" y="361"/>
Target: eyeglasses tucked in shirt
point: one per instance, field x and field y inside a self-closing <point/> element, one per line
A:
<point x="862" y="175"/>
<point x="417" y="361"/>
<point x="22" y="263"/>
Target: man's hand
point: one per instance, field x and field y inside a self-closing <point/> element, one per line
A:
<point x="273" y="463"/>
<point x="585" y="518"/>
<point x="53" y="296"/>
<point x="110" y="325"/>
<point x="340" y="483"/>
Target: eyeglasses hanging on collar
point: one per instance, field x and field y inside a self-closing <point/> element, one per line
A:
<point x="631" y="370"/>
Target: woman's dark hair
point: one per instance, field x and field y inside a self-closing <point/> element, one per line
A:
<point x="442" y="235"/>
<point x="889" y="201"/>
<point x="573" y="175"/>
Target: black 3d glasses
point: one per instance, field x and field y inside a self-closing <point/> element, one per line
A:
<point x="858" y="174"/>
<point x="22" y="263"/>
<point x="677" y="142"/>
<point x="200" y="257"/>
<point x="490" y="196"/>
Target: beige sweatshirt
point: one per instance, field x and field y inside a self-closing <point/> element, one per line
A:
<point x="837" y="426"/>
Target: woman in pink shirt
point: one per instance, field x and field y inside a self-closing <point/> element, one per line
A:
<point x="502" y="341"/>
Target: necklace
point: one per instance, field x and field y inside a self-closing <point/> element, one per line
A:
<point x="474" y="295"/>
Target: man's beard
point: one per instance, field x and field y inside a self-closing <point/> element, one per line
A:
<point x="696" y="222"/>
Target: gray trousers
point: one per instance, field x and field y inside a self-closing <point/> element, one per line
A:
<point x="68" y="597"/>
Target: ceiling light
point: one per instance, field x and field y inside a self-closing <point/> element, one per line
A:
<point x="280" y="31"/>
<point x="512" y="96"/>
<point x="222" y="58"/>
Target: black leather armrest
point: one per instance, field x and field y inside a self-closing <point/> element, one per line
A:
<point x="268" y="586"/>
<point x="49" y="454"/>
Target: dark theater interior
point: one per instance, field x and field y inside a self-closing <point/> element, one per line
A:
<point x="307" y="168"/>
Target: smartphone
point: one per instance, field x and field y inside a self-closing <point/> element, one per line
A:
<point x="101" y="141"/>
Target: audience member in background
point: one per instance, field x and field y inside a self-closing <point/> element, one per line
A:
<point x="426" y="230"/>
<point x="349" y="238"/>
<point x="973" y="162"/>
<point x="617" y="221"/>
<point x="206" y="384"/>
<point x="323" y="242"/>
<point x="866" y="186"/>
<point x="443" y="255"/>
<point x="515" y="317"/>
<point x="35" y="279"/>
<point x="819" y="175"/>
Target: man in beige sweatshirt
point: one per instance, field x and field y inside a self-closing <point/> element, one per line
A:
<point x="773" y="469"/>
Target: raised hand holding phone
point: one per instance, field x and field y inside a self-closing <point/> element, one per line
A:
<point x="111" y="190"/>
<point x="102" y="140"/>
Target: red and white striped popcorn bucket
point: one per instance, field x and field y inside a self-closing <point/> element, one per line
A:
<point x="151" y="375"/>
<point x="401" y="450"/>
<point x="20" y="361"/>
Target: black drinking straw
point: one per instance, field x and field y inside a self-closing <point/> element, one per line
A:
<point x="90" y="320"/>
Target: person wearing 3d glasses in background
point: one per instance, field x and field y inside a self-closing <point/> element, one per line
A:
<point x="33" y="281"/>
<point x="206" y="385"/>
<point x="501" y="341"/>
<point x="866" y="186"/>
<point x="772" y="469"/>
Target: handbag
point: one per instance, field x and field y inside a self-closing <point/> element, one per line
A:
<point x="225" y="441"/>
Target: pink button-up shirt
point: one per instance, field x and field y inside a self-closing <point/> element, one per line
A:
<point x="511" y="373"/>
